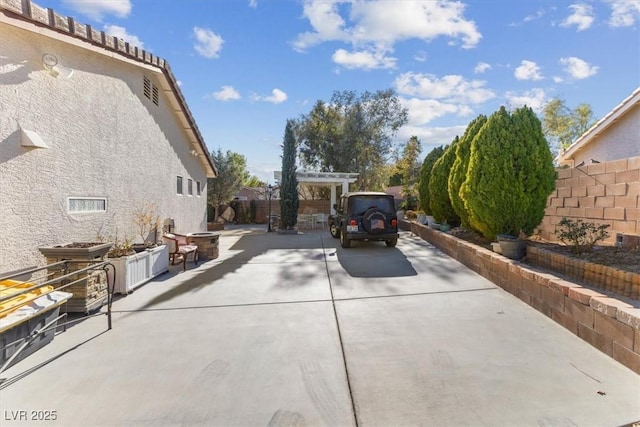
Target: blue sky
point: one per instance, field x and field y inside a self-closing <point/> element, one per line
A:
<point x="246" y="66"/>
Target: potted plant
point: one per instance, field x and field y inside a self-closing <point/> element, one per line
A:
<point x="147" y="221"/>
<point x="136" y="264"/>
<point x="514" y="247"/>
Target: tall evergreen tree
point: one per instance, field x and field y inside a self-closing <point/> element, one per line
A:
<point x="439" y="187"/>
<point x="289" y="200"/>
<point x="510" y="174"/>
<point x="458" y="172"/>
<point x="425" y="175"/>
<point x="352" y="133"/>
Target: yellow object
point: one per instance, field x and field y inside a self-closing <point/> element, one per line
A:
<point x="10" y="287"/>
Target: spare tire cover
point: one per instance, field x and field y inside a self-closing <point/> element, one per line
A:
<point x="374" y="221"/>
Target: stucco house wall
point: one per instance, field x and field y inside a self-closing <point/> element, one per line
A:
<point x="105" y="139"/>
<point x="619" y="141"/>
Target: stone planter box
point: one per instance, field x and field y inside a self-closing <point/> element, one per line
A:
<point x="215" y="226"/>
<point x="89" y="294"/>
<point x="72" y="252"/>
<point x="135" y="270"/>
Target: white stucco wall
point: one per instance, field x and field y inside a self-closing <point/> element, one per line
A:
<point x="621" y="140"/>
<point x="106" y="140"/>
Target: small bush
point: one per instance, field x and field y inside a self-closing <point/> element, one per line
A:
<point x="411" y="215"/>
<point x="581" y="235"/>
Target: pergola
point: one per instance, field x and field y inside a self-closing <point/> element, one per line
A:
<point x="333" y="180"/>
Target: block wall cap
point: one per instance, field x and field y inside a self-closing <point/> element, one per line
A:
<point x="607" y="306"/>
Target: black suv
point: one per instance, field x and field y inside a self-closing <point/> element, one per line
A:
<point x="365" y="215"/>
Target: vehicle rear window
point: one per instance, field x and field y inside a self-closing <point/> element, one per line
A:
<point x="362" y="204"/>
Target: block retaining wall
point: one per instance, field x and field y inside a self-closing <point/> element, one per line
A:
<point x="610" y="325"/>
<point x="625" y="283"/>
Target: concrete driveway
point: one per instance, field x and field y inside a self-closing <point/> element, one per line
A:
<point x="291" y="330"/>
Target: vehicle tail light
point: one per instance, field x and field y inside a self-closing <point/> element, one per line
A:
<point x="353" y="222"/>
<point x="394" y="222"/>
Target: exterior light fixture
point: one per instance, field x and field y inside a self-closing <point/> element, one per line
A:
<point x="51" y="64"/>
<point x="194" y="153"/>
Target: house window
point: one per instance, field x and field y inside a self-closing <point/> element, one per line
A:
<point x="190" y="187"/>
<point x="179" y="185"/>
<point x="86" y="204"/>
<point x="198" y="188"/>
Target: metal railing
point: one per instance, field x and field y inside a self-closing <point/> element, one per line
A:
<point x="53" y="324"/>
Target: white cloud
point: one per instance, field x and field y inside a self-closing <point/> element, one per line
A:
<point x="534" y="98"/>
<point x="420" y="56"/>
<point x="363" y="59"/>
<point x="624" y="13"/>
<point x="121" y="33"/>
<point x="481" y="67"/>
<point x="96" y="9"/>
<point x="582" y="16"/>
<point x="528" y="70"/>
<point x="253" y="3"/>
<point x="375" y="27"/>
<point x="422" y="111"/>
<point x="430" y="137"/>
<point x="208" y="44"/>
<point x="539" y="14"/>
<point x="577" y="68"/>
<point x="226" y="93"/>
<point x="277" y="96"/>
<point x="452" y="88"/>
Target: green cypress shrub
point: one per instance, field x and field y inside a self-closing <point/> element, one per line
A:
<point x="439" y="187"/>
<point x="289" y="199"/>
<point x="538" y="172"/>
<point x="510" y="174"/>
<point x="458" y="172"/>
<point x="425" y="174"/>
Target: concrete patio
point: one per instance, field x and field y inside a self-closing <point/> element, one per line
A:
<point x="285" y="330"/>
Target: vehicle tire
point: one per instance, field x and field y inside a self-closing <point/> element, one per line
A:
<point x="334" y="230"/>
<point x="391" y="243"/>
<point x="345" y="242"/>
<point x="374" y="214"/>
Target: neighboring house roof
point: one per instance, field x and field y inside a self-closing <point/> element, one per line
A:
<point x="71" y="31"/>
<point x="601" y="125"/>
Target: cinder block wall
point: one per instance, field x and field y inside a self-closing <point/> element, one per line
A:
<point x="602" y="193"/>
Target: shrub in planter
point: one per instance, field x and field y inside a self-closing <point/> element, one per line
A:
<point x="425" y="174"/>
<point x="458" y="172"/>
<point x="581" y="235"/>
<point x="510" y="174"/>
<point x="439" y="187"/>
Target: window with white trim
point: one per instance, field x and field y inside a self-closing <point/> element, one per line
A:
<point x="86" y="204"/>
<point x="179" y="185"/>
<point x="190" y="187"/>
<point x="198" y="188"/>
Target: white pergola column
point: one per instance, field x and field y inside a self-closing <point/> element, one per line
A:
<point x="333" y="199"/>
